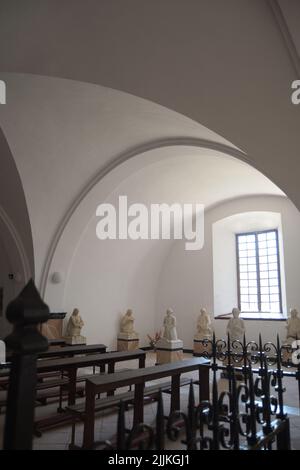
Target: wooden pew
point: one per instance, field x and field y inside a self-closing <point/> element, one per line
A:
<point x="56" y="342"/>
<point x="151" y="394"/>
<point x="72" y="364"/>
<point x="70" y="351"/>
<point x="45" y="389"/>
<point x="58" y="352"/>
<point x="138" y="378"/>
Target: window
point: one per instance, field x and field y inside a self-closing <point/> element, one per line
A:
<point x="258" y="267"/>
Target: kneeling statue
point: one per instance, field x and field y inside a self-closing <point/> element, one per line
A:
<point x="73" y="330"/>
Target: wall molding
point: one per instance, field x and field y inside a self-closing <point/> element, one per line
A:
<point x="14" y="234"/>
<point x="286" y="35"/>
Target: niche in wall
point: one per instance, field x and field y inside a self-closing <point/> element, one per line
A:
<point x="225" y="258"/>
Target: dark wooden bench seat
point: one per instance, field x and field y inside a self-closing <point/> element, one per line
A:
<point x="4" y="384"/>
<point x="48" y="375"/>
<point x="70" y="365"/>
<point x="64" y="417"/>
<point x="2" y="403"/>
<point x="102" y="403"/>
<point x="45" y="390"/>
<point x="56" y="389"/>
<point x="4" y="378"/>
<point x="52" y="384"/>
<point x="151" y="393"/>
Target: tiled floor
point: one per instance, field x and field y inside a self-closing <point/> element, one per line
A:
<point x="59" y="438"/>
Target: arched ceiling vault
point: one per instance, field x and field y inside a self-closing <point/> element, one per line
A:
<point x="67" y="136"/>
<point x="226" y="65"/>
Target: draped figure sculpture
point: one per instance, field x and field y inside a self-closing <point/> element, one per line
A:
<point x="74" y="327"/>
<point x="293" y="327"/>
<point x="170" y="332"/>
<point x="127" y="324"/>
<point x="236" y="326"/>
<point x="128" y="338"/>
<point x="204" y="329"/>
<point x="169" y="348"/>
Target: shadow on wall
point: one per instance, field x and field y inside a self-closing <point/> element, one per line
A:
<point x="16" y="246"/>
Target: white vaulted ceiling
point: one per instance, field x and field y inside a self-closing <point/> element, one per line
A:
<point x="66" y="135"/>
<point x="226" y="65"/>
<point x="62" y="134"/>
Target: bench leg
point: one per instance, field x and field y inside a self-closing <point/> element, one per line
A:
<point x="60" y="408"/>
<point x="175" y="393"/>
<point x="89" y="421"/>
<point x="138" y="414"/>
<point x="111" y="370"/>
<point x="73" y="435"/>
<point x="72" y="374"/>
<point x="203" y="383"/>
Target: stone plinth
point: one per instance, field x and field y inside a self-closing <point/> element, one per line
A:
<point x="201" y="347"/>
<point x="169" y="351"/>
<point x="71" y="340"/>
<point x="127" y="342"/>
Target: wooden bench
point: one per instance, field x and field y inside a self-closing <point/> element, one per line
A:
<point x="56" y="342"/>
<point x="70" y="351"/>
<point x="138" y="378"/>
<point x="53" y="421"/>
<point x="59" y="391"/>
<point x="2" y="403"/>
<point x="48" y="375"/>
<point x="151" y="393"/>
<point x="70" y="365"/>
<point x="46" y="390"/>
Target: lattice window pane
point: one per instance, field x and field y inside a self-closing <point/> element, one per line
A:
<point x="258" y="272"/>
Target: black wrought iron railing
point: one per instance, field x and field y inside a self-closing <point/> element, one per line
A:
<point x="248" y="414"/>
<point x="26" y="313"/>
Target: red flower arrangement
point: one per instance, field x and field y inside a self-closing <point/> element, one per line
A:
<point x="154" y="339"/>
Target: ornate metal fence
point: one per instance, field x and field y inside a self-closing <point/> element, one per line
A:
<point x="248" y="415"/>
<point x="26" y="313"/>
<point x="283" y="360"/>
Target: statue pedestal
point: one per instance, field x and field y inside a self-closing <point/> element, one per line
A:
<point x="71" y="340"/>
<point x="127" y="342"/>
<point x="169" y="351"/>
<point x="202" y="348"/>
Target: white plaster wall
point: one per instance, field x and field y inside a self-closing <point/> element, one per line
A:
<point x="103" y="279"/>
<point x="187" y="284"/>
<point x="63" y="133"/>
<point x="224" y="269"/>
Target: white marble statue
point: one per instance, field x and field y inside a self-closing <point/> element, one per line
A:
<point x="236" y="326"/>
<point x="73" y="330"/>
<point x="127" y="325"/>
<point x="204" y="329"/>
<point x="170" y="332"/>
<point x="293" y="327"/>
